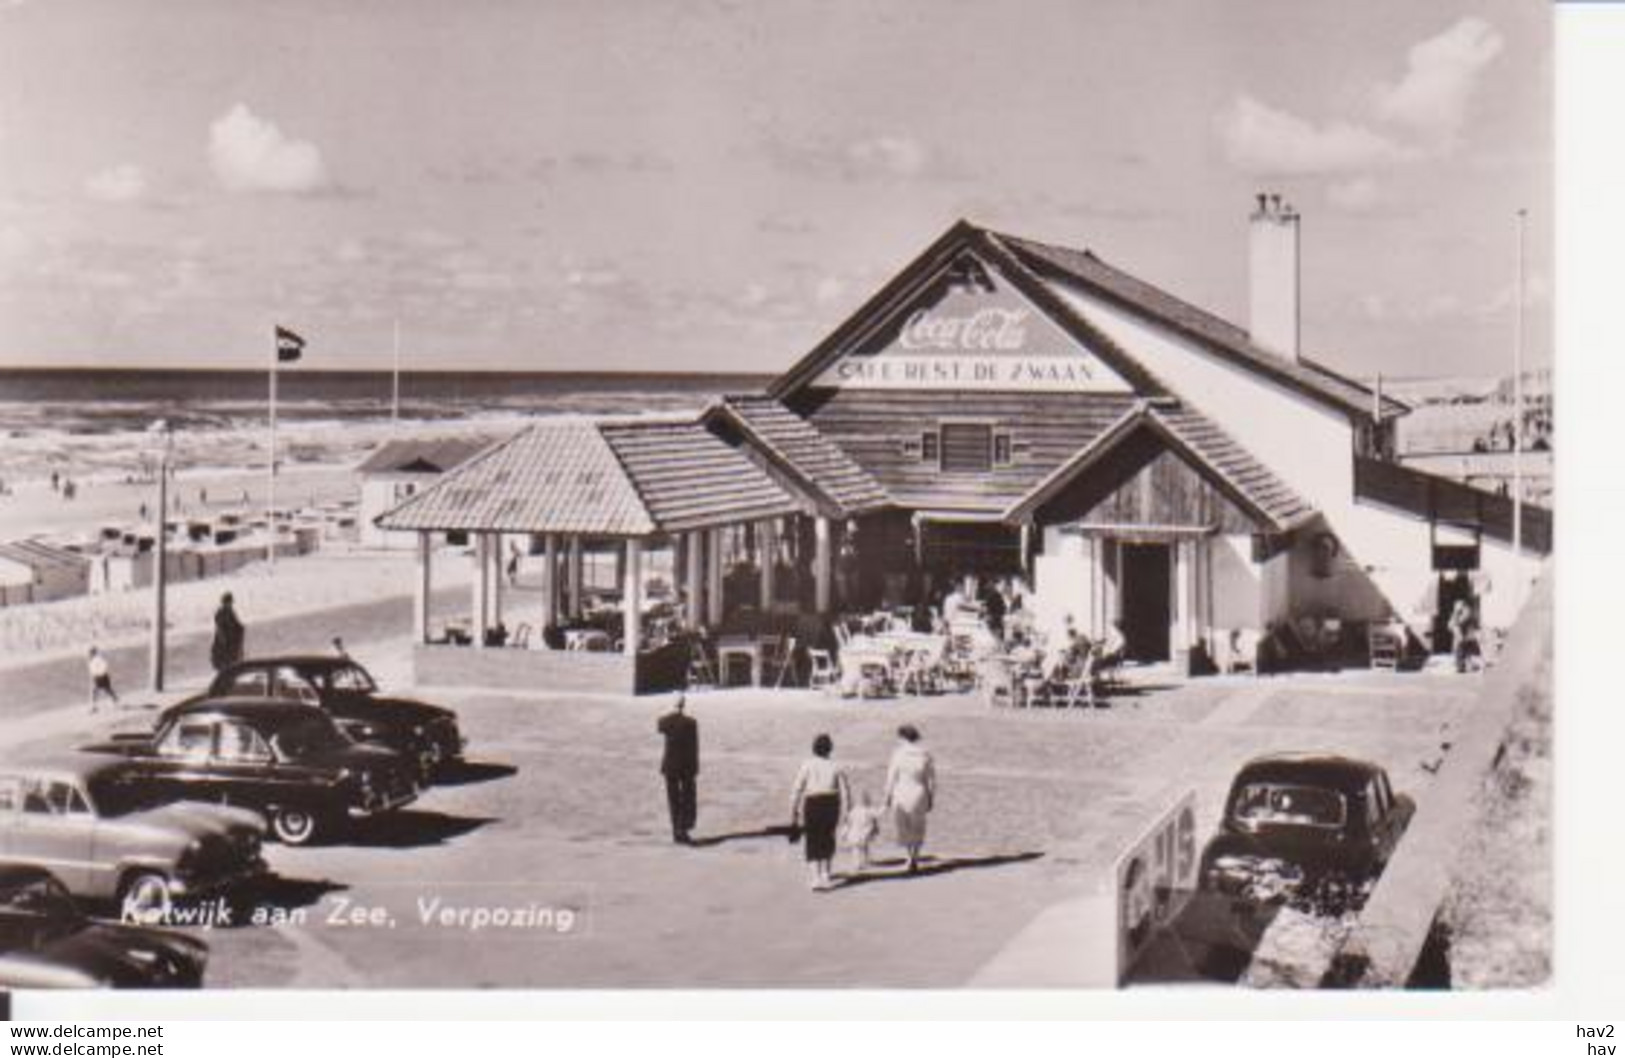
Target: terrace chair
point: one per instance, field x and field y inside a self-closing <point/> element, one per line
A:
<point x="782" y="664"/>
<point x="702" y="675"/>
<point x="998" y="681"/>
<point x="521" y="636"/>
<point x="822" y="672"/>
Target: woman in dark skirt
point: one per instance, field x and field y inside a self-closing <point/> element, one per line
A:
<point x="818" y="803"/>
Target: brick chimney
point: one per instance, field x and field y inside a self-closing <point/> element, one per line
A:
<point x="1274" y="320"/>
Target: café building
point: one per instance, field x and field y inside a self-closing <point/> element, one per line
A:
<point x="1008" y="408"/>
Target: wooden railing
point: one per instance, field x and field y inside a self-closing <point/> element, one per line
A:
<point x="1442" y="500"/>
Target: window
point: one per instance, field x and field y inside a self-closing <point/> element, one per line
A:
<point x="929" y="447"/>
<point x="251" y="684"/>
<point x="242" y="744"/>
<point x="1002" y="453"/>
<point x="967" y="447"/>
<point x="189" y="740"/>
<point x="1300" y="805"/>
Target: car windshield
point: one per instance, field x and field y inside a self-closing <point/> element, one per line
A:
<point x="308" y="735"/>
<point x="1284" y="803"/>
<point x="119" y="793"/>
<point x="35" y="913"/>
<point x="352" y="679"/>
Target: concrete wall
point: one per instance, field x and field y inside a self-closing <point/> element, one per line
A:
<point x="1237" y="584"/>
<point x="1308" y="444"/>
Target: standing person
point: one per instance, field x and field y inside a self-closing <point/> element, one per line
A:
<point x="1463" y="629"/>
<point x="817" y="803"/>
<point x="680" y="764"/>
<point x="338" y="648"/>
<point x="101" y="679"/>
<point x="911" y="790"/>
<point x="513" y="565"/>
<point x="227" y="648"/>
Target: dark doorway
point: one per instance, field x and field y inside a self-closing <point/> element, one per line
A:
<point x="1146" y="583"/>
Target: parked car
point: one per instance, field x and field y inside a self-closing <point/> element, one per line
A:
<point x="97" y="826"/>
<point x="285" y="760"/>
<point x="46" y="941"/>
<point x="428" y="734"/>
<point x="1313" y="831"/>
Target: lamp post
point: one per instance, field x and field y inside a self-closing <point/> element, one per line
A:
<point x="160" y="563"/>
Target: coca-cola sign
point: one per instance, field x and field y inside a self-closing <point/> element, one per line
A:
<point x="984" y="330"/>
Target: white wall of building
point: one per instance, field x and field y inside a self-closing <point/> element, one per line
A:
<point x="379" y="493"/>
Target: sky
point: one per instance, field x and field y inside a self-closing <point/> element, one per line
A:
<point x="716" y="185"/>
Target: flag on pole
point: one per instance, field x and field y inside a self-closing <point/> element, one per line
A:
<point x="289" y="346"/>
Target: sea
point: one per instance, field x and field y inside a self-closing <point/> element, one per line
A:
<point x="81" y="420"/>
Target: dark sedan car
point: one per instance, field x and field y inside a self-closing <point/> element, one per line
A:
<point x="283" y="759"/>
<point x="1313" y="831"/>
<point x="426" y="733"/>
<point x="46" y="942"/>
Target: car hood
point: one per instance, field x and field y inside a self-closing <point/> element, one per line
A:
<point x="198" y="820"/>
<point x="121" y="956"/>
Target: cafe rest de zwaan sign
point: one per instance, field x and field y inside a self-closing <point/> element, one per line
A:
<point x="976" y="340"/>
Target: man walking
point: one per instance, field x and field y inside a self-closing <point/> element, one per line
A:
<point x="227" y="648"/>
<point x="680" y="764"/>
<point x="101" y="679"/>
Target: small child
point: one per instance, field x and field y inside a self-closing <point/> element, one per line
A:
<point x="101" y="679"/>
<point x="861" y="828"/>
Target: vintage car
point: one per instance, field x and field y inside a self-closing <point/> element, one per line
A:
<point x="1312" y="831"/>
<point x="285" y="760"/>
<point x="96" y="825"/>
<point x="426" y="733"/>
<point x="47" y="942"/>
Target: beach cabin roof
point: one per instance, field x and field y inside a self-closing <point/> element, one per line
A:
<point x="429" y="455"/>
<point x="41" y="556"/>
<point x="623" y="478"/>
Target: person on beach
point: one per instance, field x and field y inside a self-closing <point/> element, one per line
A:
<point x="817" y="802"/>
<point x="227" y="648"/>
<point x="680" y="764"/>
<point x="101" y="679"/>
<point x="911" y="790"/>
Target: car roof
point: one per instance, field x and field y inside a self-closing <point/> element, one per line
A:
<point x="245" y="708"/>
<point x="323" y="661"/>
<point x="1322" y="769"/>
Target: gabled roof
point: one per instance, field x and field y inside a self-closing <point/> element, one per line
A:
<point x="908" y="283"/>
<point x="1038" y="269"/>
<point x="1216" y="455"/>
<point x="421" y="455"/>
<point x="1222" y="337"/>
<point x="796" y="445"/>
<point x="597" y="478"/>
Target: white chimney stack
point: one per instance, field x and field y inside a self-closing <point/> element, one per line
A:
<point x="1274" y="321"/>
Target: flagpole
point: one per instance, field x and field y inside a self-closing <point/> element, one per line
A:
<point x="395" y="388"/>
<point x="270" y="491"/>
<point x="1517" y="423"/>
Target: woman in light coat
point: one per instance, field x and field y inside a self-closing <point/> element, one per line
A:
<point x="911" y="790"/>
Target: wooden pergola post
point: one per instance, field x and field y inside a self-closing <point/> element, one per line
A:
<point x="767" y="549"/>
<point x="695" y="544"/>
<point x="632" y="598"/>
<point x="823" y="567"/>
<point x="713" y="572"/>
<point x="481" y="590"/>
<point x="550" y="601"/>
<point x="494" y="559"/>
<point x="422" y="588"/>
<point x="574" y="562"/>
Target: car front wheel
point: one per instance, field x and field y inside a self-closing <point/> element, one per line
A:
<point x="144" y="898"/>
<point x="293" y="825"/>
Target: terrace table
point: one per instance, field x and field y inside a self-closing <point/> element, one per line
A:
<point x="586" y="639"/>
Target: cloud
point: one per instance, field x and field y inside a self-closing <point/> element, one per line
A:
<point x="121" y="183"/>
<point x="249" y="153"/>
<point x="1265" y="141"/>
<point x="1355" y="196"/>
<point x="887" y="157"/>
<point x="1441" y="74"/>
